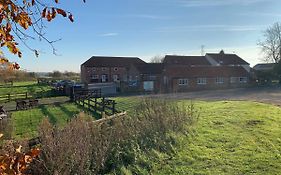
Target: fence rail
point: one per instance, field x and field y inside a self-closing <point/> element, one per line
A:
<point x="25" y="95"/>
<point x="93" y="101"/>
<point x="106" y="106"/>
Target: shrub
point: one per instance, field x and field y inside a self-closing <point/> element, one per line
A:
<point x="111" y="145"/>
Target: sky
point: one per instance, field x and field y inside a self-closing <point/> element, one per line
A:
<point x="149" y="28"/>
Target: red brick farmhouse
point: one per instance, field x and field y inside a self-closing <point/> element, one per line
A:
<point x="175" y="74"/>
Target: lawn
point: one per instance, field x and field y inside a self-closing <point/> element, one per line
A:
<point x="23" y="87"/>
<point x="25" y="123"/>
<point x="231" y="137"/>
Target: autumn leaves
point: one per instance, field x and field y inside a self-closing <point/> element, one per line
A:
<point x="16" y="16"/>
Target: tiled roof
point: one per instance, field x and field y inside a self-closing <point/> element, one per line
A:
<point x="205" y="71"/>
<point x="186" y="60"/>
<point x="106" y="61"/>
<point x="265" y="66"/>
<point x="150" y="68"/>
<point x="227" y="59"/>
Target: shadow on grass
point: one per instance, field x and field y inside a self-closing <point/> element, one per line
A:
<point x="96" y="115"/>
<point x="68" y="113"/>
<point x="51" y="117"/>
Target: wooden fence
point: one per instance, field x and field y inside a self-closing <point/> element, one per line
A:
<point x="26" y="95"/>
<point x="94" y="102"/>
<point x="15" y="96"/>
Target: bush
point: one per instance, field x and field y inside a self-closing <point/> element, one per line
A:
<point x="87" y="147"/>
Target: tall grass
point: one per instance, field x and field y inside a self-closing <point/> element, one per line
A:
<point x="87" y="147"/>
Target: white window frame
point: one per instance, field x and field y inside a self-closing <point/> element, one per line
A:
<point x="103" y="78"/>
<point x="202" y="81"/>
<point x="243" y="79"/>
<point x="183" y="82"/>
<point x="94" y="77"/>
<point x="115" y="77"/>
<point x="219" y="80"/>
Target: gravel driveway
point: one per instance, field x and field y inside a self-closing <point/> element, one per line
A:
<point x="270" y="95"/>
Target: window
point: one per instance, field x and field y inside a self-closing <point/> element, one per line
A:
<point x="183" y="82"/>
<point x="103" y="69"/>
<point x="115" y="77"/>
<point x="243" y="79"/>
<point x="202" y="81"/>
<point x="219" y="80"/>
<point x="93" y="69"/>
<point x="233" y="79"/>
<point x="95" y="76"/>
<point x="115" y="69"/>
<point x="152" y="77"/>
<point x="104" y="78"/>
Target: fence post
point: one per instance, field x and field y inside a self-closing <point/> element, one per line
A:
<point x="103" y="105"/>
<point x="9" y="97"/>
<point x="25" y="95"/>
<point x="113" y="107"/>
<point x="89" y="106"/>
<point x="95" y="104"/>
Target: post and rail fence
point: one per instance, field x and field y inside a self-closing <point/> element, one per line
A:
<point x="93" y="101"/>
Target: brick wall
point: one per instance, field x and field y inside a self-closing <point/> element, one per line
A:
<point x="211" y="83"/>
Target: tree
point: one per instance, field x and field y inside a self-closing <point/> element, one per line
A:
<point x="19" y="17"/>
<point x="271" y="46"/>
<point x="157" y="59"/>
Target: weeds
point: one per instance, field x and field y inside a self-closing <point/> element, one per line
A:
<point x="87" y="147"/>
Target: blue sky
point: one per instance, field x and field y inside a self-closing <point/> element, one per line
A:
<point x="146" y="28"/>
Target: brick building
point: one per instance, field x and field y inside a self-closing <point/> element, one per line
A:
<point x="101" y="69"/>
<point x="175" y="74"/>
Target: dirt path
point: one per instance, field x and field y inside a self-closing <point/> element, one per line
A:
<point x="270" y="95"/>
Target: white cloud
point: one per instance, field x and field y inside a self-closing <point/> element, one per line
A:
<point x="229" y="28"/>
<point x="200" y="3"/>
<point x="108" y="34"/>
<point x="148" y="16"/>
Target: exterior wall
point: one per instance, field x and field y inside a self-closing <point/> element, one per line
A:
<point x="88" y="73"/>
<point x="85" y="74"/>
<point x="210" y="84"/>
<point x="247" y="67"/>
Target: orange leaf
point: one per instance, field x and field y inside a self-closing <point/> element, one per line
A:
<point x="44" y="12"/>
<point x="61" y="12"/>
<point x="70" y="17"/>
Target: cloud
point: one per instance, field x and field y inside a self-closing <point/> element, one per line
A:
<point x="202" y="3"/>
<point x="148" y="16"/>
<point x="226" y="28"/>
<point x="108" y="34"/>
<point x="261" y="14"/>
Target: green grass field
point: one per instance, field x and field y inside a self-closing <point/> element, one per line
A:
<point x="25" y="123"/>
<point x="230" y="138"/>
<point x="19" y="88"/>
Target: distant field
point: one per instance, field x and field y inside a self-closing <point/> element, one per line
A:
<point x="19" y="89"/>
<point x="22" y="87"/>
<point x="231" y="137"/>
